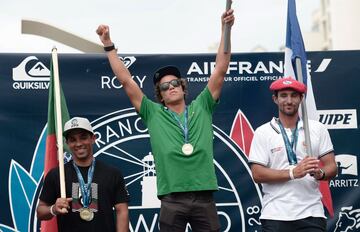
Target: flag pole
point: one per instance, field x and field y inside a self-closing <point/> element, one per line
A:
<point x="58" y="120"/>
<point x="305" y="118"/>
<point x="227" y="29"/>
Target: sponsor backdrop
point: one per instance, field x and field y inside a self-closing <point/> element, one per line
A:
<point x="92" y="91"/>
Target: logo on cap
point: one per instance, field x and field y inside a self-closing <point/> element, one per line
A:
<point x="74" y="123"/>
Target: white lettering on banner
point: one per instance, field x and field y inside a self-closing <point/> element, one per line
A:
<point x="270" y="78"/>
<point x="346" y="166"/>
<point x="122" y="129"/>
<point x="142" y="224"/>
<point x="207" y="68"/>
<point x="112" y="83"/>
<point x="31" y="85"/>
<point x="344" y="183"/>
<point x="236" y="78"/>
<point x="141" y="221"/>
<point x="241" y="67"/>
<point x="338" y="119"/>
<point x="246" y="78"/>
<point x="31" y="73"/>
<point x="198" y="79"/>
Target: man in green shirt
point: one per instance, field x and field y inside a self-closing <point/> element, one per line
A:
<point x="181" y="138"/>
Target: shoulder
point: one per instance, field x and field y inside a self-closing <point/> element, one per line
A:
<point x="206" y="94"/>
<point x="53" y="172"/>
<point x="316" y="125"/>
<point x="148" y="107"/>
<point x="269" y="127"/>
<point x="204" y="100"/>
<point x="146" y="102"/>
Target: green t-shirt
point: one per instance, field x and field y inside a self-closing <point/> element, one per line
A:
<point x="175" y="171"/>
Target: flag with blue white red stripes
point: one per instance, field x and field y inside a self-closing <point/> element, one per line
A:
<point x="295" y="49"/>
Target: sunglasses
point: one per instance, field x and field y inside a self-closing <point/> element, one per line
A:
<point x="166" y="85"/>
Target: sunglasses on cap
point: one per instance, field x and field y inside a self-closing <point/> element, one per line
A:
<point x="166" y="85"/>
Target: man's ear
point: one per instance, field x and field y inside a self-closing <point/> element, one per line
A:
<point x="93" y="138"/>
<point x="275" y="99"/>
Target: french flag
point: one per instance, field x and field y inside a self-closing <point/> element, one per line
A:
<point x="295" y="49"/>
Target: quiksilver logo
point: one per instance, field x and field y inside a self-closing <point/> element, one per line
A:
<point x="31" y="74"/>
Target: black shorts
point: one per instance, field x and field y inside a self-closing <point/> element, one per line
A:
<point x="196" y="208"/>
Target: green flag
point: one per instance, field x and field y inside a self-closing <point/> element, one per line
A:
<point x="51" y="156"/>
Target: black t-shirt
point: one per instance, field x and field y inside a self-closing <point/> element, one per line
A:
<point x="107" y="190"/>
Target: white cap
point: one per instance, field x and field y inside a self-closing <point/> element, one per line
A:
<point x="77" y="123"/>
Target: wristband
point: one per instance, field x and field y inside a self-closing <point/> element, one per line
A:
<point x="291" y="172"/>
<point x="51" y="210"/>
<point x="109" y="48"/>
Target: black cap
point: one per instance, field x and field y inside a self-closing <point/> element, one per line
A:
<point x="167" y="70"/>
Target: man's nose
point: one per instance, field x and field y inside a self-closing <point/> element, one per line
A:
<point x="288" y="99"/>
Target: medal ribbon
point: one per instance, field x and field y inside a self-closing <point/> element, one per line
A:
<point x="184" y="127"/>
<point x="290" y="147"/>
<point x="85" y="188"/>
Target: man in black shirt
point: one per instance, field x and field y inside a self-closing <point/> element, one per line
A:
<point x="93" y="188"/>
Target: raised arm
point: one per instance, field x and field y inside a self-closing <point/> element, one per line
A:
<point x="222" y="59"/>
<point x="122" y="73"/>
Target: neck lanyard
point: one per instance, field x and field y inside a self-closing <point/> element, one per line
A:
<point x="183" y="126"/>
<point x="85" y="188"/>
<point x="290" y="147"/>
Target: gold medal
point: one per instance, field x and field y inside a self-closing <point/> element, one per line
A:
<point x="187" y="149"/>
<point x="86" y="214"/>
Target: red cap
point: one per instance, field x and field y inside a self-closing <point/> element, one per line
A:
<point x="288" y="83"/>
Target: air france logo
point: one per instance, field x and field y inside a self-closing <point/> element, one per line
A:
<point x="246" y="71"/>
<point x="347" y="172"/>
<point x="348" y="220"/>
<point x="110" y="82"/>
<point x="31" y="74"/>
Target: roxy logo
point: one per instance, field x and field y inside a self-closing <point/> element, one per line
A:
<point x="108" y="82"/>
<point x="31" y="74"/>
